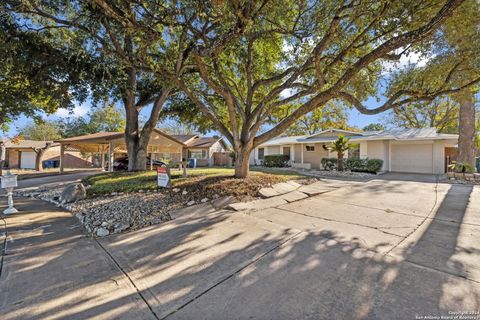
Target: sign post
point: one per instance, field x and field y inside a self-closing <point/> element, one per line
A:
<point x="9" y="181"/>
<point x="163" y="177"/>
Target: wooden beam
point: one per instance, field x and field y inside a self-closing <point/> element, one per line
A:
<point x="110" y="157"/>
<point x="62" y="158"/>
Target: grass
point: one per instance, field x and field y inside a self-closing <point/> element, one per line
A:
<point x="207" y="179"/>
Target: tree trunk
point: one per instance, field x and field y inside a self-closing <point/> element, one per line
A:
<point x="242" y="163"/>
<point x="466" y="128"/>
<point x="137" y="153"/>
<point x="39" y="153"/>
<point x="340" y="161"/>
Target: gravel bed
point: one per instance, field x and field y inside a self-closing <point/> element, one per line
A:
<point x="112" y="213"/>
<point x="325" y="173"/>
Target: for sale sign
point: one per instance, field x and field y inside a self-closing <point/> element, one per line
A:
<point x="163" y="177"/>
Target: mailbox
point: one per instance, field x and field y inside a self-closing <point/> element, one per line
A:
<point x="9" y="181"/>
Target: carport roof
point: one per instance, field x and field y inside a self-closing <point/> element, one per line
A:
<point x="106" y="137"/>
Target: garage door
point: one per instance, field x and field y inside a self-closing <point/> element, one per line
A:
<point x="27" y="160"/>
<point x="412" y="158"/>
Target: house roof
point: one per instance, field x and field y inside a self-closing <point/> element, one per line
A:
<point x="184" y="137"/>
<point x="28" y="144"/>
<point x="393" y="134"/>
<point x="283" y="140"/>
<point x="105" y="137"/>
<point x="204" y="142"/>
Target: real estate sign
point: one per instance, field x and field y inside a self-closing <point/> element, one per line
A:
<point x="163" y="177"/>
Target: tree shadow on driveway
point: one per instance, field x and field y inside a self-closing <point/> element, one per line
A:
<point x="234" y="266"/>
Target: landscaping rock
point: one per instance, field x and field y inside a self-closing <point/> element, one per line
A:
<point x="72" y="193"/>
<point x="176" y="190"/>
<point x="184" y="192"/>
<point x="102" y="232"/>
<point x="191" y="203"/>
<point x="120" y="227"/>
<point x="204" y="200"/>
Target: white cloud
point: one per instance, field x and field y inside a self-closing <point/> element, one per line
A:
<point x="410" y="58"/>
<point x="78" y="111"/>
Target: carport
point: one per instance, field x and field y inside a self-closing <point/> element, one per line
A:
<point x="112" y="143"/>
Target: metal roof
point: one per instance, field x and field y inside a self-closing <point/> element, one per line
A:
<point x="393" y="134"/>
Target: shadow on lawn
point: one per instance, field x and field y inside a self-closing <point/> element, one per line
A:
<point x="213" y="267"/>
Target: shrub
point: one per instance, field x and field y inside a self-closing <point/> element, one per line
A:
<point x="374" y="165"/>
<point x="329" y="163"/>
<point x="364" y="165"/>
<point x="276" y="160"/>
<point x="355" y="164"/>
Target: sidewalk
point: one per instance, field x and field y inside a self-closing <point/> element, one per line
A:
<point x="52" y="271"/>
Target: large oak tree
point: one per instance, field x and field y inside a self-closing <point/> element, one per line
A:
<point x="316" y="52"/>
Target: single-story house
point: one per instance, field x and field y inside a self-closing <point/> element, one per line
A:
<point x="22" y="155"/>
<point x="202" y="148"/>
<point x="161" y="146"/>
<point x="402" y="150"/>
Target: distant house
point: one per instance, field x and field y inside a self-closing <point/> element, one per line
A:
<point x="402" y="150"/>
<point x="202" y="148"/>
<point x="161" y="146"/>
<point x="22" y="155"/>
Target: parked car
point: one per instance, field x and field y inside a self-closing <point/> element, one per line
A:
<point x="121" y="164"/>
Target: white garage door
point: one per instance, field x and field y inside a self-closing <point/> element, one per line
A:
<point x="412" y="158"/>
<point x="27" y="160"/>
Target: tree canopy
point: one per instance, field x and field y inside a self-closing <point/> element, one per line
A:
<point x="240" y="63"/>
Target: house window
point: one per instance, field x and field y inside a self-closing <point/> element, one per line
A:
<point x="197" y="153"/>
<point x="354" y="151"/>
<point x="261" y="153"/>
<point x="310" y="148"/>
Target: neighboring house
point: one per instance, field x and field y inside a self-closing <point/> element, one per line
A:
<point x="202" y="148"/>
<point x="22" y="155"/>
<point x="402" y="150"/>
<point x="161" y="146"/>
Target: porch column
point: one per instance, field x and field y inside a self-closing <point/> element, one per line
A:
<point x="102" y="161"/>
<point x="62" y="157"/>
<point x="110" y="157"/>
<point x="301" y="145"/>
<point x="151" y="161"/>
<point x="292" y="148"/>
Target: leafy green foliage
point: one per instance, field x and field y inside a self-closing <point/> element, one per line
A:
<point x="374" y="127"/>
<point x="41" y="131"/>
<point x="461" y="167"/>
<point x="329" y="164"/>
<point x="363" y="165"/>
<point x="330" y="116"/>
<point x="276" y="160"/>
<point x="339" y="146"/>
<point x="99" y="119"/>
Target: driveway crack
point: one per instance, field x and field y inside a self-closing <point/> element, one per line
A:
<point x="339" y="221"/>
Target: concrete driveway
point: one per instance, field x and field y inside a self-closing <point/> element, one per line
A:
<point x="397" y="247"/>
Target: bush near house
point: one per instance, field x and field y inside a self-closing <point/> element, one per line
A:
<point x="276" y="160"/>
<point x="329" y="164"/>
<point x="364" y="165"/>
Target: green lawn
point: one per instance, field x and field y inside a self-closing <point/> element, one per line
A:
<point x="105" y="183"/>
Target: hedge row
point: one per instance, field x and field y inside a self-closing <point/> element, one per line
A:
<point x="354" y="164"/>
<point x="276" y="160"/>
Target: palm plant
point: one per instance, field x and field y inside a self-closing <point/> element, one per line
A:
<point x="340" y="146"/>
